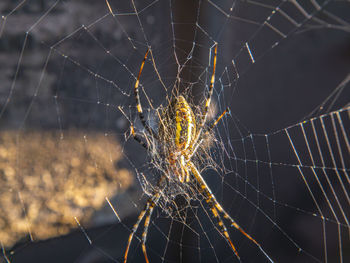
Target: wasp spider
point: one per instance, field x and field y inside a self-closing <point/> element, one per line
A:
<point x="181" y="133"/>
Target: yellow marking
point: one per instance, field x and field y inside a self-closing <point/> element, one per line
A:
<point x="215" y="54"/>
<point x="183" y="113"/>
<point x="182" y="177"/>
<point x="207" y="102"/>
<point x="214" y="67"/>
<point x="212" y="80"/>
<point x="109" y="7"/>
<point x="187" y="175"/>
<point x="132" y="234"/>
<point x="211" y="198"/>
<point x="221" y="224"/>
<point x="145" y="252"/>
<point x="139" y="109"/>
<point x="244" y="233"/>
<point x="215" y="213"/>
<point x="132" y="130"/>
<point x="218" y="206"/>
<point x="142" y="214"/>
<point x="189" y="128"/>
<point x="233" y="247"/>
<point x="219" y="118"/>
<point x="127" y="249"/>
<point x="178" y="129"/>
<point x="147" y="220"/>
<point x="182" y="164"/>
<point x="226" y="234"/>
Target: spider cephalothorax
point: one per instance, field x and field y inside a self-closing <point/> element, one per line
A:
<point x="177" y="142"/>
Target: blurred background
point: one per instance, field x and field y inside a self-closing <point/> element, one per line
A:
<point x="66" y="102"/>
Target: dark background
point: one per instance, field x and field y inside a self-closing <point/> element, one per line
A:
<point x="283" y="87"/>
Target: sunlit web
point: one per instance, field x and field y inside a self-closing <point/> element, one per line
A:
<point x="280" y="162"/>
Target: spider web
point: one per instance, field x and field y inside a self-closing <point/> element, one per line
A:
<point x="279" y="163"/>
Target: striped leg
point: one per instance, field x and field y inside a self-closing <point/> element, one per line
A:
<point x="210" y="199"/>
<point x="134" y="229"/>
<point x="146" y="211"/>
<point x="235" y="225"/>
<point x="222" y="226"/>
<point x="211" y="127"/>
<point x="151" y="202"/>
<point x="138" y="138"/>
<point x="138" y="102"/>
<point x="216" y="207"/>
<point x="146" y="225"/>
<point x="210" y="92"/>
<point x="208" y="100"/>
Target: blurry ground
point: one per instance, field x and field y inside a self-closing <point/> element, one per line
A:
<point x="46" y="180"/>
<point x="54" y="180"/>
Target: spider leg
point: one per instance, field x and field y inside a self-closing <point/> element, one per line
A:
<point x="212" y="126"/>
<point x="235" y="225"/>
<point x="148" y="209"/>
<point x="146" y="225"/>
<point x="138" y="138"/>
<point x="138" y="101"/>
<point x="216" y="207"/>
<point x="222" y="226"/>
<point x="210" y="92"/>
<point x="211" y="200"/>
<point x="208" y="100"/>
<point x="134" y="229"/>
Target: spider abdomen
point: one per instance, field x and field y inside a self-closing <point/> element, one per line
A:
<point x="185" y="124"/>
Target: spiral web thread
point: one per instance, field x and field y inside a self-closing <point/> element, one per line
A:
<point x="287" y="187"/>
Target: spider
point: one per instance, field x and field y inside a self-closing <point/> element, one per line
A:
<point x="180" y="134"/>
